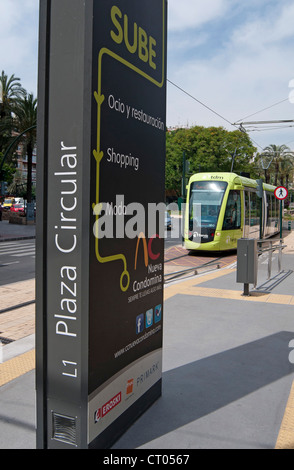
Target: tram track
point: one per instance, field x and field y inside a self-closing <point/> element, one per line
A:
<point x="192" y="264"/>
<point x="168" y="277"/>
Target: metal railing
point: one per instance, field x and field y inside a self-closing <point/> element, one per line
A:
<point x="270" y="247"/>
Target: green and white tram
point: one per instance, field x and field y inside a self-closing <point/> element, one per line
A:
<point x="223" y="207"/>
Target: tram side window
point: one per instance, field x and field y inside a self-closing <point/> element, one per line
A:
<point x="270" y="207"/>
<point x="275" y="208"/>
<point x="254" y="209"/>
<point x="271" y="199"/>
<point x="247" y="208"/>
<point x="268" y="202"/>
<point x="276" y="211"/>
<point x="232" y="219"/>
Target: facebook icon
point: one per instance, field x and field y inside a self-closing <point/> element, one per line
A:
<point x="140" y="323"/>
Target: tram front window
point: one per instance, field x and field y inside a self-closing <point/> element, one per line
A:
<point x="204" y="206"/>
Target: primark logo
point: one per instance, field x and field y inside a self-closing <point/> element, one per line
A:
<point x="147" y="374"/>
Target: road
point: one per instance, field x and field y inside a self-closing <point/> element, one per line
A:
<point x="17" y="261"/>
<point x="174" y="236"/>
<point x="17" y="258"/>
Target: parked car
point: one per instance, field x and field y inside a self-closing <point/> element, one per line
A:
<point x="168" y="222"/>
<point x="8" y="202"/>
<point x="18" y="200"/>
<point x="19" y="208"/>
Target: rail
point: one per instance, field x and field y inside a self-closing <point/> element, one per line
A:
<point x="171" y="276"/>
<point x="270" y="250"/>
<point x="250" y="260"/>
<point x="270" y="246"/>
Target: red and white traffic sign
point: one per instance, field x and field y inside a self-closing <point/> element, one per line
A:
<point x="281" y="193"/>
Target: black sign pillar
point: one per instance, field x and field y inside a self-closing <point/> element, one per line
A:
<point x="100" y="247"/>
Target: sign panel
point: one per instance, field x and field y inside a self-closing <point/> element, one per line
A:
<point x="128" y="179"/>
<point x="281" y="193"/>
<point x="100" y="261"/>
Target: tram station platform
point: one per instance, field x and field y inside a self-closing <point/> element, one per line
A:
<point x="227" y="366"/>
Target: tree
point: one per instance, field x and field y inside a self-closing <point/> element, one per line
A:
<point x="281" y="161"/>
<point x="7" y="172"/>
<point x="12" y="92"/>
<point x="207" y="149"/>
<point x="286" y="170"/>
<point x="26" y="121"/>
<point x="175" y="146"/>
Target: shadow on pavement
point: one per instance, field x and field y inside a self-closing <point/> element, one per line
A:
<point x="199" y="388"/>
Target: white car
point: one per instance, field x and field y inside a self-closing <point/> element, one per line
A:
<point x="168" y="222"/>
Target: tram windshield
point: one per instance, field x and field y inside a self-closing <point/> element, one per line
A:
<point x="205" y="203"/>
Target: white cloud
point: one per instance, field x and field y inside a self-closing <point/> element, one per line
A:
<point x="19" y="41"/>
<point x="255" y="35"/>
<point x="191" y="14"/>
<point x="185" y="43"/>
<point x="234" y="56"/>
<point x="249" y="69"/>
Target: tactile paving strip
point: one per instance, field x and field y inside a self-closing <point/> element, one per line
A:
<point x="286" y="435"/>
<point x="16" y="367"/>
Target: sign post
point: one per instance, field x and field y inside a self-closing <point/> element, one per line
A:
<point x="100" y="230"/>
<point x="281" y="193"/>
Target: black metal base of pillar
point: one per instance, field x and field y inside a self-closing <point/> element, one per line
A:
<point x="246" y="290"/>
<point x="108" y="437"/>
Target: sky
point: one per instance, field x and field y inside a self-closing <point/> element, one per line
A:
<point x="228" y="62"/>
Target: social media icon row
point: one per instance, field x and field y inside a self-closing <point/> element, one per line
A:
<point x="145" y="321"/>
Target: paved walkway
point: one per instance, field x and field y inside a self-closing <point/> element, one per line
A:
<point x="15" y="231"/>
<point x="19" y="323"/>
<point x="227" y="375"/>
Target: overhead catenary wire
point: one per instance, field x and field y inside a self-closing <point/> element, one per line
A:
<point x="264" y="109"/>
<point x="200" y="102"/>
<point x="263" y="129"/>
<point x="238" y="124"/>
<point x="210" y="109"/>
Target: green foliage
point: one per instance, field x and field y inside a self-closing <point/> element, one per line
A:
<point x="12" y="93"/>
<point x="26" y="121"/>
<point x="276" y="164"/>
<point x="8" y="172"/>
<point x="18" y="120"/>
<point x="207" y="149"/>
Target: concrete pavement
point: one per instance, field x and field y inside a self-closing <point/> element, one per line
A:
<point x="16" y="231"/>
<point x="227" y="370"/>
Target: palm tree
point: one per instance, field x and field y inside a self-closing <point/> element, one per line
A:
<point x="25" y="122"/>
<point x="286" y="170"/>
<point x="12" y="92"/>
<point x="279" y="154"/>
